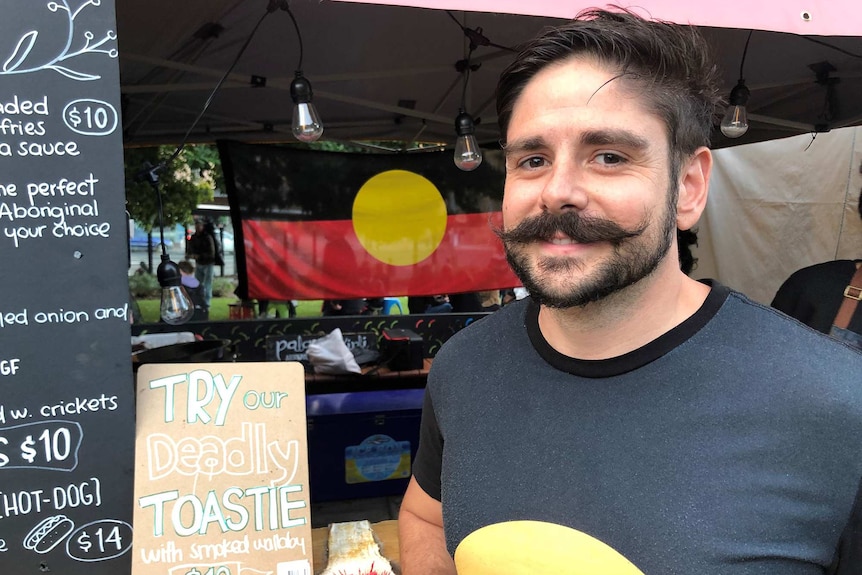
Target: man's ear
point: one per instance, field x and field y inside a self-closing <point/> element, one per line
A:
<point x="693" y="188"/>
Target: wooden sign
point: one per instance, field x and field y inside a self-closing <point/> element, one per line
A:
<point x="221" y="470"/>
<point x="67" y="404"/>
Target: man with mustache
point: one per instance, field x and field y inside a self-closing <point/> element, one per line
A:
<point x="667" y="425"/>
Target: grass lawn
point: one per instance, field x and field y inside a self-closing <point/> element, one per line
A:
<point x="219" y="308"/>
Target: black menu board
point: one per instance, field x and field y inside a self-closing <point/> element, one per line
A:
<point x="66" y="386"/>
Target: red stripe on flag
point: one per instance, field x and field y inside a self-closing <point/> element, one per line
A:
<point x="325" y="260"/>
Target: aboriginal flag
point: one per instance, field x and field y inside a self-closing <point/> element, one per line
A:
<point x="333" y="225"/>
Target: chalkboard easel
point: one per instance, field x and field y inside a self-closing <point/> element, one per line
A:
<point x="67" y="408"/>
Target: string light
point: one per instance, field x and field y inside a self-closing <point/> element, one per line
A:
<point x="305" y="124"/>
<point x="468" y="155"/>
<point x="734" y="124"/>
<point x="176" y="306"/>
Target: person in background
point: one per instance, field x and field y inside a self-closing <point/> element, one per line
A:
<point x="507" y="296"/>
<point x="490" y="300"/>
<point x="375" y="305"/>
<point x="814" y="294"/>
<point x="439" y="304"/>
<point x="195" y="290"/>
<point x="639" y="421"/>
<point x="202" y="249"/>
<point x="429" y="304"/>
<point x="276" y="308"/>
<point x="465" y="302"/>
<point x="418" y="304"/>
<point x="343" y="307"/>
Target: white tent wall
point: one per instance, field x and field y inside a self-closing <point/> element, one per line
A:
<point x="777" y="206"/>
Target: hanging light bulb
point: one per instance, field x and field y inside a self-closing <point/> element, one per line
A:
<point x="735" y="121"/>
<point x="176" y="307"/>
<point x="307" y="126"/>
<point x="468" y="155"/>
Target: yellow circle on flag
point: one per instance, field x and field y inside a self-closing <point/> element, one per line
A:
<point x="399" y="217"/>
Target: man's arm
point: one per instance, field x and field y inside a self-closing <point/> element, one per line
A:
<point x="420" y="534"/>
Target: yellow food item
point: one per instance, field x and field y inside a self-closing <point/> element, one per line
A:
<point x="537" y="548"/>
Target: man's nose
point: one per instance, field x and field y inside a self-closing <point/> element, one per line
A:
<point x="565" y="188"/>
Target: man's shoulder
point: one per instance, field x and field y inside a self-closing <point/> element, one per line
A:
<point x="776" y="336"/>
<point x="491" y="332"/>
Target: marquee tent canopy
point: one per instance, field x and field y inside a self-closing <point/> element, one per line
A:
<point x="385" y="72"/>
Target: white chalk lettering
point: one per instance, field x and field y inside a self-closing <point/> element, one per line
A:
<point x="8" y="318"/>
<point x="63" y="229"/>
<point x="9" y="366"/>
<point x="270" y="508"/>
<point x="42" y="149"/>
<point x="199" y="380"/>
<point x="21" y="502"/>
<point x="61" y="316"/>
<point x="221" y="550"/>
<point x="9" y="127"/>
<point x="86" y="493"/>
<point x="250" y="454"/>
<point x="18" y="106"/>
<point x="77" y="406"/>
<point x="23" y="233"/>
<point x="62" y="188"/>
<point x="112" y="312"/>
<point x="166" y="553"/>
<point x="57" y="213"/>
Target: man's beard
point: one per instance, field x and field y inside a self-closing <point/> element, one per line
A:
<point x="632" y="258"/>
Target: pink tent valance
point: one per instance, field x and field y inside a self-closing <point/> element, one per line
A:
<point x="811" y="17"/>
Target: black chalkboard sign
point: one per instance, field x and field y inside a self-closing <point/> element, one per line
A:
<point x="67" y="402"/>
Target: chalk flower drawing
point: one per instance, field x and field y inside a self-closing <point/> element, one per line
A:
<point x="14" y="63"/>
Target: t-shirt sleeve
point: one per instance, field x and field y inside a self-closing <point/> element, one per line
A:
<point x="429" y="455"/>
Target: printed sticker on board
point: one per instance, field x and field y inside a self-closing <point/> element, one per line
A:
<point x="377" y="458"/>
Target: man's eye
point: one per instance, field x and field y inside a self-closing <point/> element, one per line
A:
<point x="533" y="162"/>
<point x="609" y="159"/>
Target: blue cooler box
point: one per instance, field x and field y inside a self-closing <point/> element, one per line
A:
<point x="362" y="444"/>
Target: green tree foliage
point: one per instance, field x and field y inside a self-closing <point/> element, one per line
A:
<point x="204" y="160"/>
<point x="188" y="181"/>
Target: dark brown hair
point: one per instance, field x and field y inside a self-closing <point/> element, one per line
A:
<point x="669" y="64"/>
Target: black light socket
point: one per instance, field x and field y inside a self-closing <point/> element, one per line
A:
<point x="740" y="93"/>
<point x="300" y="89"/>
<point x="168" y="273"/>
<point x="464" y="125"/>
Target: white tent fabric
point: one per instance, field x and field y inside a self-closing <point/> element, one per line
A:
<point x="777" y="206"/>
